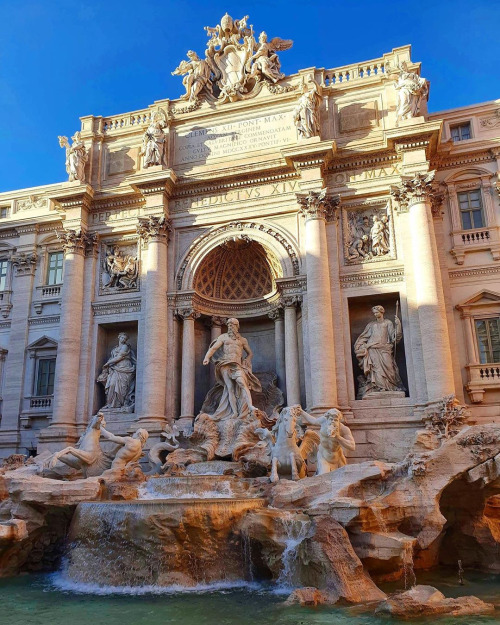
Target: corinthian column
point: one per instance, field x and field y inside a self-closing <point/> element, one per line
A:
<point x="316" y="207"/>
<point x="188" y="316"/>
<point x="414" y="196"/>
<point x="279" y="346"/>
<point x="63" y="426"/>
<point x="215" y="332"/>
<point x="291" y="350"/>
<point x="153" y="231"/>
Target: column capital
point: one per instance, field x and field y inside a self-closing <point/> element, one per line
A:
<point x="154" y="227"/>
<point x="187" y="313"/>
<point x="217" y="321"/>
<point x="319" y="205"/>
<point x="92" y="244"/>
<point x="413" y="189"/>
<point x="276" y="314"/>
<point x="75" y="241"/>
<point x="24" y="263"/>
<point x="290" y="301"/>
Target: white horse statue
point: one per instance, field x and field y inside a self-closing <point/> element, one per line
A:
<point x="88" y="455"/>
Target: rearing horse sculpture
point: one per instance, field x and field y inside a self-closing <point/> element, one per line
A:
<point x="88" y="455"/>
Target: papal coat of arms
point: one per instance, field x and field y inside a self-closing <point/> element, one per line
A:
<point x="235" y="64"/>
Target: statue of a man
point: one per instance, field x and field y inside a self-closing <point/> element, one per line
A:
<point x="130" y="447"/>
<point x="118" y="375"/>
<point x="374" y="349"/>
<point x="306" y="113"/>
<point x="334" y="439"/>
<point x="233" y="372"/>
<point x="154" y="142"/>
<point x="197" y="75"/>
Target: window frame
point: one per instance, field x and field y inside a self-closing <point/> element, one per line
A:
<point x="4" y="276"/>
<point x="470" y="210"/>
<point x="50" y="254"/>
<point x="459" y="126"/>
<point x="40" y="361"/>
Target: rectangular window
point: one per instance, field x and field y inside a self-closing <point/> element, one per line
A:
<point x="4" y="265"/>
<point x="55" y="274"/>
<point x="461" y="132"/>
<point x="45" y="377"/>
<point x="4" y="212"/>
<point x="471" y="209"/>
<point x="488" y="339"/>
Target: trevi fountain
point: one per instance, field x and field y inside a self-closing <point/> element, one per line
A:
<point x="259" y="412"/>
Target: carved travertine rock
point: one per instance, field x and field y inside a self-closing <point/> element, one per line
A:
<point x="374" y="349"/>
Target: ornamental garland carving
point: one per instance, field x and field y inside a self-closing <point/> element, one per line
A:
<point x="153" y="227"/>
<point x="235" y="66"/>
<point x="412" y="190"/>
<point x="239" y="225"/>
<point x="491" y="122"/>
<point x="368" y="235"/>
<point x="318" y="205"/>
<point x="31" y="202"/>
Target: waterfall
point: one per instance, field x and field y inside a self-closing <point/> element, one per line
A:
<point x="296" y="530"/>
<point x="409" y="573"/>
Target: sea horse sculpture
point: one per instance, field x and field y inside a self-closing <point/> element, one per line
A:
<point x="87" y="455"/>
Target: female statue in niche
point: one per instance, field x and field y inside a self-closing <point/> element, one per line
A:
<point x="118" y="376"/>
<point x="375" y="350"/>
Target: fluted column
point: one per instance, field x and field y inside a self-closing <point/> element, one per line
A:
<point x="291" y="350"/>
<point x="414" y="197"/>
<point x="215" y="332"/>
<point x="153" y="232"/>
<point x="279" y="346"/>
<point x="188" y="316"/>
<point x="316" y="208"/>
<point x="63" y="426"/>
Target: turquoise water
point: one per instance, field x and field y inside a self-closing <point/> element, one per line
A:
<point x="47" y="600"/>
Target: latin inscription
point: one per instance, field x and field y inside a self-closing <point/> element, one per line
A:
<point x="104" y="217"/>
<point x="354" y="117"/>
<point x="226" y="140"/>
<point x="349" y="177"/>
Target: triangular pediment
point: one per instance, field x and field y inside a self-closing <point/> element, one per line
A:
<point x="482" y="298"/>
<point x="44" y="342"/>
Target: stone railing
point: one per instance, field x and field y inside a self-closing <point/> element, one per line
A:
<point x="50" y="291"/>
<point x="120" y="122"/>
<point x="44" y="401"/>
<point x="354" y="72"/>
<point x="476" y="236"/>
<point x="481" y="379"/>
<point x="464" y="241"/>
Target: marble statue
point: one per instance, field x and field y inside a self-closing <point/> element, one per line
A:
<point x="118" y="376"/>
<point x="130" y="447"/>
<point x="87" y="455"/>
<point x="233" y="372"/>
<point x="196" y="74"/>
<point x="334" y="438"/>
<point x="411" y="89"/>
<point x="235" y="64"/>
<point x="154" y="141"/>
<point x="121" y="269"/>
<point x="306" y="113"/>
<point x="76" y="157"/>
<point x="265" y="61"/>
<point x="375" y="351"/>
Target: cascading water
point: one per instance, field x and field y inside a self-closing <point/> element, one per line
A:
<point x="296" y="530"/>
<point x="408" y="568"/>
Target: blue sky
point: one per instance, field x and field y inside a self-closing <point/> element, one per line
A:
<point x="62" y="60"/>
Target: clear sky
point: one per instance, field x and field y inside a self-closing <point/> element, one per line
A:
<point x="60" y="60"/>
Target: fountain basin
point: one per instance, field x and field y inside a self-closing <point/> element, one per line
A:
<point x="159" y="542"/>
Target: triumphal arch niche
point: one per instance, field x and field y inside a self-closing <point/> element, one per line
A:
<point x="312" y="207"/>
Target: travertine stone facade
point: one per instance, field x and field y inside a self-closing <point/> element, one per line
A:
<point x="240" y="201"/>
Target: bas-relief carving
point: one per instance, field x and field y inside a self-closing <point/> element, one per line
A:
<point x="118" y="377"/>
<point x="235" y="64"/>
<point x="120" y="268"/>
<point x="490" y="122"/>
<point x="368" y="235"/>
<point x="32" y="202"/>
<point x="375" y="349"/>
<point x="76" y="157"/>
<point x="88" y="456"/>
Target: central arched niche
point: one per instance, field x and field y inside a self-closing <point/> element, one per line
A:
<point x="239" y="269"/>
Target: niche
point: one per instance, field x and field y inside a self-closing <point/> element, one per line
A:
<point x="107" y="340"/>
<point x="360" y="314"/>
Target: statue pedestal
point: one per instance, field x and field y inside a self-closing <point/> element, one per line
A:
<point x="384" y="394"/>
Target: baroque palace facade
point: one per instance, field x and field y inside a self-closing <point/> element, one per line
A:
<point x="292" y="203"/>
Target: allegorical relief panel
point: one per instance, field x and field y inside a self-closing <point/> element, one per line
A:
<point x="368" y="234"/>
<point x="119" y="268"/>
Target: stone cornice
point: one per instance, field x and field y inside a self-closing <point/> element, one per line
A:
<point x="155" y="183"/>
<point x="457" y="160"/>
<point x="73" y="196"/>
<point x="372" y="278"/>
<point x="117" y="202"/>
<point x="360" y="162"/>
<point x="309" y="154"/>
<point x="124" y="306"/>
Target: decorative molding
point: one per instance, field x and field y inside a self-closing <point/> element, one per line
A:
<point x="276" y="314"/>
<point x="187" y="313"/>
<point x="384" y="276"/>
<point x="100" y="205"/>
<point x="24" y="263"/>
<point x="291" y="301"/>
<point x="123" y="307"/>
<point x="451" y="162"/>
<point x="412" y="190"/>
<point x="76" y="241"/>
<point x="492" y="121"/>
<point x="4" y="325"/>
<point x="42" y="321"/>
<point x="30" y="203"/>
<point x="481" y="272"/>
<point x="188" y="188"/>
<point x="319" y="205"/>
